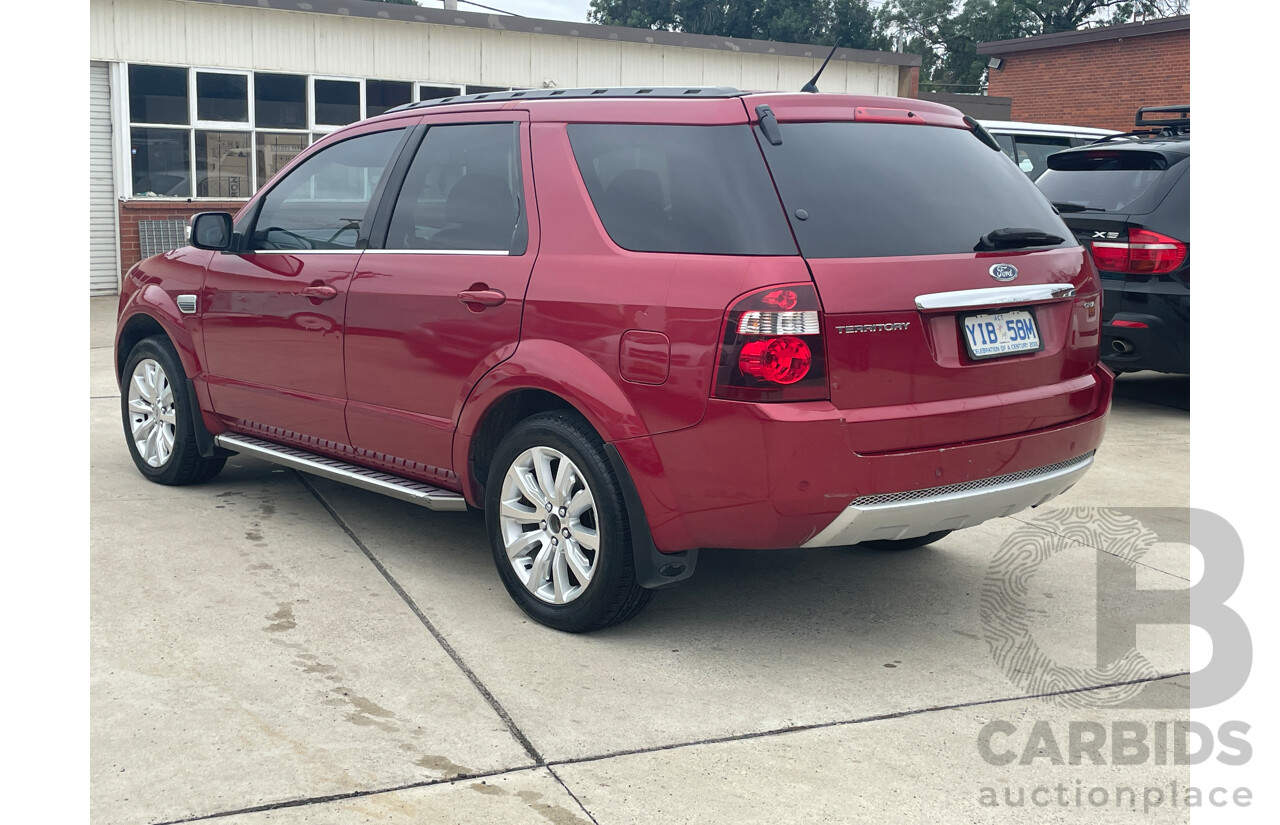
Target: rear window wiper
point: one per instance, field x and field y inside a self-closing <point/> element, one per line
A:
<point x="1015" y="238"/>
<point x="1076" y="207"/>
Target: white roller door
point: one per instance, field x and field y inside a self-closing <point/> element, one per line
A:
<point x="104" y="256"/>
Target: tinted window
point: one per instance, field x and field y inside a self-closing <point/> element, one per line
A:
<point x="222" y="97"/>
<point x="161" y="160"/>
<point x="701" y="189"/>
<point x="462" y="191"/>
<point x="158" y="94"/>
<point x="1034" y="150"/>
<point x="322" y="203"/>
<point x="337" y="102"/>
<point x="1112" y="180"/>
<point x="381" y="95"/>
<point x="886" y="189"/>
<point x="280" y="100"/>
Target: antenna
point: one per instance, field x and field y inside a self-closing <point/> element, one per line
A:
<point x="811" y="86"/>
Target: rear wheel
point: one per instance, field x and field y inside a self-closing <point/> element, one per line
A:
<point x="158" y="424"/>
<point x="558" y="526"/>
<point x="905" y="544"/>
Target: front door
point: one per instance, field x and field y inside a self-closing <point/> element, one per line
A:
<point x="439" y="304"/>
<point x="273" y="315"/>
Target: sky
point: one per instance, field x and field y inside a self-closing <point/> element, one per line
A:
<point x="574" y="10"/>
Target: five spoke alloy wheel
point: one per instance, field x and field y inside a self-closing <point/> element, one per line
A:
<point x="152" y="413"/>
<point x="550" y="525"/>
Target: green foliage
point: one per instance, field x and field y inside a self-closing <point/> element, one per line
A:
<point x="854" y="22"/>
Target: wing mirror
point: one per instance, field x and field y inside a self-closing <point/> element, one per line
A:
<point x="211" y="230"/>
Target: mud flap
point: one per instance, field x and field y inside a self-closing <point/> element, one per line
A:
<point x="654" y="569"/>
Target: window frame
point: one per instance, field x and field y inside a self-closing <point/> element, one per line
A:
<point x="315" y="126"/>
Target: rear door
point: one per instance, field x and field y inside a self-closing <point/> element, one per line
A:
<point x="438" y="302"/>
<point x="931" y="340"/>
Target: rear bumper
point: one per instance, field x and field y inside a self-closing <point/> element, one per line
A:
<point x="920" y="512"/>
<point x="1163" y="307"/>
<point x="765" y="476"/>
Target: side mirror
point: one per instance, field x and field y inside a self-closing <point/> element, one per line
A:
<point x="211" y="230"/>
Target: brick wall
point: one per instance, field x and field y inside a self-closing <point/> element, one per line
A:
<point x="147" y="210"/>
<point x="1099" y="84"/>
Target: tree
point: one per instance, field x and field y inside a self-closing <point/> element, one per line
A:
<point x="947" y="32"/>
<point x="853" y="22"/>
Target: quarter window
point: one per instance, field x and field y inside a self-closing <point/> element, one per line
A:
<point x="462" y="192"/>
<point x="322" y="204"/>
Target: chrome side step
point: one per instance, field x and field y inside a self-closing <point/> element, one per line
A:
<point x="433" y="498"/>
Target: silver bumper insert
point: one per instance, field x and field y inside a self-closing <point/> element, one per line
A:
<point x="920" y="512"/>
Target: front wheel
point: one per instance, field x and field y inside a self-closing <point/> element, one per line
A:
<point x="158" y="421"/>
<point x="558" y="526"/>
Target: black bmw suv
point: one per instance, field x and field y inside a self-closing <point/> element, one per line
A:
<point x="1128" y="199"/>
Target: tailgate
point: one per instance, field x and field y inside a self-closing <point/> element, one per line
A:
<point x="931" y="338"/>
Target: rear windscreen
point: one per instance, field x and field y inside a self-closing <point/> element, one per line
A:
<point x="887" y="190"/>
<point x="1108" y="181"/>
<point x="699" y="189"/>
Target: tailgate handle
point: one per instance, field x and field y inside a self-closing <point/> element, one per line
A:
<point x="995" y="296"/>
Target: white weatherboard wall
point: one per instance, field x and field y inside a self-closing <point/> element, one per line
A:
<point x="181" y="33"/>
<point x="104" y="253"/>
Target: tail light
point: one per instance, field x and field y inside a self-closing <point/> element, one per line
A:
<point x="1145" y="253"/>
<point x="772" y="347"/>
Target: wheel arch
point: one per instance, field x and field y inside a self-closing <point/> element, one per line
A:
<point x="151" y="311"/>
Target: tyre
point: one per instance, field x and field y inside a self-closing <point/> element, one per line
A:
<point x="158" y="424"/>
<point x="905" y="544"/>
<point x="558" y="526"/>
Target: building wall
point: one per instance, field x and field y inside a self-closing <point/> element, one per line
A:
<point x="1100" y="84"/>
<point x="239" y="37"/>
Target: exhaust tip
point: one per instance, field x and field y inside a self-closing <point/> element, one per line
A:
<point x="1121" y="347"/>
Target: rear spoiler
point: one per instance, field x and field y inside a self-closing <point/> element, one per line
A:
<point x="1141" y="118"/>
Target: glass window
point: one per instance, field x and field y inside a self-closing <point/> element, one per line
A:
<point x="437" y="92"/>
<point x="1109" y="180"/>
<point x="701" y="189"/>
<point x="158" y="94"/>
<point x="480" y="90"/>
<point x="885" y="189"/>
<point x="337" y="102"/>
<point x="322" y="203"/>
<point x="275" y="150"/>
<point x="222" y="97"/>
<point x="381" y="95"/>
<point x="222" y="164"/>
<point x="161" y="162"/>
<point x="280" y="100"/>
<point x="1034" y="149"/>
<point x="462" y="191"/>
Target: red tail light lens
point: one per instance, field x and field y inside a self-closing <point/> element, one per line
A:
<point x="1145" y="253"/>
<point x="783" y="360"/>
<point x="772" y="348"/>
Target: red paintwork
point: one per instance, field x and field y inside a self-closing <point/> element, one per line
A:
<point x="397" y="373"/>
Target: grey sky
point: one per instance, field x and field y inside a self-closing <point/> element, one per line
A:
<point x="575" y="10"/>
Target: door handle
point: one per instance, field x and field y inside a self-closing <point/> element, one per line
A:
<point x="482" y="297"/>
<point x="320" y="292"/>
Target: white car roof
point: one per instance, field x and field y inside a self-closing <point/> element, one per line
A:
<point x="1043" y="128"/>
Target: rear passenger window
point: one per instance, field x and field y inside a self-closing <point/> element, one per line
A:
<point x="462" y="192"/>
<point x="699" y="189"/>
<point x="321" y="204"/>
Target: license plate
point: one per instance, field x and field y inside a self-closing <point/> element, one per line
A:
<point x="991" y="335"/>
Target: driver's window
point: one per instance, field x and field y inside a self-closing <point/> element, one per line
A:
<point x="322" y="203"/>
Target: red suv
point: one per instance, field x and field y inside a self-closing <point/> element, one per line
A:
<point x="630" y="323"/>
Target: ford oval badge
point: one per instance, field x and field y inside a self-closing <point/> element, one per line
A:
<point x="1004" y="272"/>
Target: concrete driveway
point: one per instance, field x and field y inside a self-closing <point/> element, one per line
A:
<point x="270" y="647"/>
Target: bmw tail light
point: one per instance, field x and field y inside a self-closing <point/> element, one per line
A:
<point x="772" y="347"/>
<point x="1145" y="253"/>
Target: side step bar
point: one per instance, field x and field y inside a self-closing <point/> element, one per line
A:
<point x="433" y="498"/>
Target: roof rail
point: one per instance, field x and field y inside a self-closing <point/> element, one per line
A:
<point x="1141" y="120"/>
<point x="580" y="94"/>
